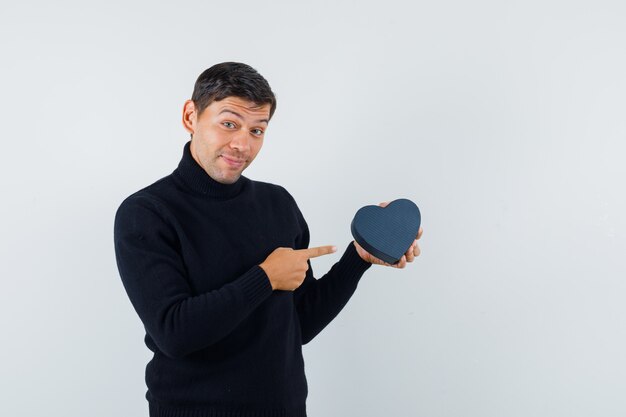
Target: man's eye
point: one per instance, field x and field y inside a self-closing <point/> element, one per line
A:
<point x="258" y="131"/>
<point x="228" y="123"/>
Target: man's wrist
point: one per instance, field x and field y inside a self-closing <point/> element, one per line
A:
<point x="360" y="250"/>
<point x="264" y="268"/>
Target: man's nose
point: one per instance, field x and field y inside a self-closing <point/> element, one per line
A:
<point x="240" y="141"/>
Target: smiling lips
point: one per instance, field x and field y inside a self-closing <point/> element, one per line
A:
<point x="233" y="161"/>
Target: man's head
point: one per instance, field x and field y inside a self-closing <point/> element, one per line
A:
<point x="226" y="117"/>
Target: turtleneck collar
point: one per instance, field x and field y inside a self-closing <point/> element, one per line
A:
<point x="196" y="178"/>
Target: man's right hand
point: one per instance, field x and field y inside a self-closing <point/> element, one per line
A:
<point x="286" y="267"/>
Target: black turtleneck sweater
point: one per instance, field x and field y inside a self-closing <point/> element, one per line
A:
<point x="188" y="250"/>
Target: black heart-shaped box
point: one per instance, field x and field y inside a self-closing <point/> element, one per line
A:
<point x="387" y="232"/>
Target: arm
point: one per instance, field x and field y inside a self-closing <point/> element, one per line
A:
<point x="319" y="301"/>
<point x="150" y="264"/>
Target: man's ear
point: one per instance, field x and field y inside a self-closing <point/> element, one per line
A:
<point x="190" y="118"/>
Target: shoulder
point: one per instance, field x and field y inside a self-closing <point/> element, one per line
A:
<point x="283" y="201"/>
<point x="275" y="191"/>
<point x="145" y="203"/>
<point x="157" y="192"/>
<point x="280" y="200"/>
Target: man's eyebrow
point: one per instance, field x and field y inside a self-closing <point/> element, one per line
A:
<point x="237" y="114"/>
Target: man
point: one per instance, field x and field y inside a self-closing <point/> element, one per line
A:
<point x="217" y="265"/>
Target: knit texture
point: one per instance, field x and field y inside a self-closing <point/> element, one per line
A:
<point x="225" y="344"/>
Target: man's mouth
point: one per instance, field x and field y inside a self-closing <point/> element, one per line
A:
<point x="234" y="162"/>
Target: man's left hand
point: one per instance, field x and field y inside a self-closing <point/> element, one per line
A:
<point x="409" y="256"/>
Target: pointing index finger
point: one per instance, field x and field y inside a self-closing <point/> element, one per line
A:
<point x="318" y="251"/>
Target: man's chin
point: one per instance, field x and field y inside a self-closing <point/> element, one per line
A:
<point x="231" y="178"/>
<point x="228" y="178"/>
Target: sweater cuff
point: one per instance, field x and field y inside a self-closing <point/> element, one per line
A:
<point x="351" y="263"/>
<point x="256" y="285"/>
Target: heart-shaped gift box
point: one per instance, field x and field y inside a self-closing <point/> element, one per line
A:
<point x="387" y="232"/>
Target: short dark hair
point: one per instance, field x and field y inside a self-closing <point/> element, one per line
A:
<point x="229" y="79"/>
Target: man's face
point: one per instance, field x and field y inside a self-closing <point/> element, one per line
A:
<point x="227" y="136"/>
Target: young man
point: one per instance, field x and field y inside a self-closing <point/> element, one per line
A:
<point x="217" y="266"/>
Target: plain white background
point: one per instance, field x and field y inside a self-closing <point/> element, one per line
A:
<point x="503" y="120"/>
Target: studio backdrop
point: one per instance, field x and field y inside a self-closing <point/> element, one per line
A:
<point x="503" y="120"/>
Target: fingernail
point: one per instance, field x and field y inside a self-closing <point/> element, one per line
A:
<point x="334" y="248"/>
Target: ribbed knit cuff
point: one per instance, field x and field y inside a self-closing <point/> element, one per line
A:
<point x="256" y="285"/>
<point x="351" y="264"/>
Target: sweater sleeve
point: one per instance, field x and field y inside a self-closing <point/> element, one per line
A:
<point x="319" y="301"/>
<point x="153" y="273"/>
